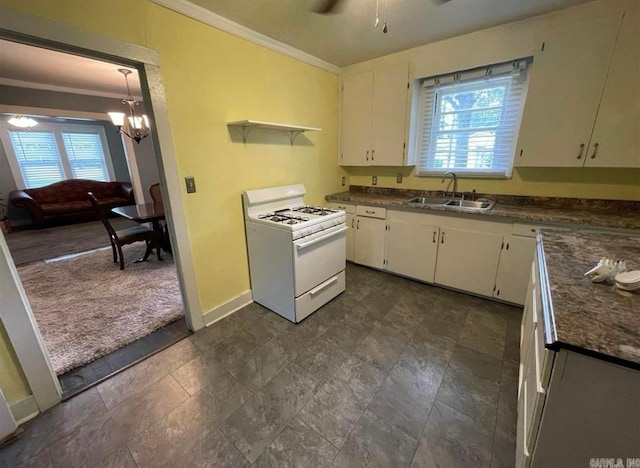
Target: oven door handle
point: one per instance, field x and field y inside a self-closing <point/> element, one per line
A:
<point x="304" y="245"/>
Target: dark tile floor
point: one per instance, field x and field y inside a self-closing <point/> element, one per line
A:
<point x="391" y="373"/>
<point x="81" y="378"/>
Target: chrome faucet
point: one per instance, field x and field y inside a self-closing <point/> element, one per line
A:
<point x="455" y="182"/>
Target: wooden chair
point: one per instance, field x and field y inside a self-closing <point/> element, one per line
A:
<point x="127" y="236"/>
<point x="156" y="196"/>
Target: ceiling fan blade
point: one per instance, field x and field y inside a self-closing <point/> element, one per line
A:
<point x="325" y="6"/>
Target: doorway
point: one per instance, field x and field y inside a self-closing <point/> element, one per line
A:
<point x="29" y="346"/>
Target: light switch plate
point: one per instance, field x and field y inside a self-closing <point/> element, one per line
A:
<point x="191" y="184"/>
<point x="399" y="177"/>
<point x="374" y="180"/>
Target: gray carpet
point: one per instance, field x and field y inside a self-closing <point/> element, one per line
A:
<point x="86" y="307"/>
<point x="40" y="244"/>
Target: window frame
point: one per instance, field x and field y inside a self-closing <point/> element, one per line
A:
<point x="473" y="76"/>
<point x="57" y="129"/>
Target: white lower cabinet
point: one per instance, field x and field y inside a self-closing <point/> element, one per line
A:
<point x="370" y="236"/>
<point x="572" y="408"/>
<point x="489" y="258"/>
<point x="412" y="249"/>
<point x="351" y="237"/>
<point x="512" y="279"/>
<point x="468" y="260"/>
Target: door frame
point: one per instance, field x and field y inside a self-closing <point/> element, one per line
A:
<point x="20" y="324"/>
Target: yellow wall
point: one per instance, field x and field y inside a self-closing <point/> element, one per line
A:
<point x="12" y="382"/>
<point x="494" y="45"/>
<point x="211" y="77"/>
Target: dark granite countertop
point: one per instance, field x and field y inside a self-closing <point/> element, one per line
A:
<point x="594" y="318"/>
<point x="597" y="213"/>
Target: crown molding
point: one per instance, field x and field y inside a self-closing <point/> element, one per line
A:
<point x="214" y="20"/>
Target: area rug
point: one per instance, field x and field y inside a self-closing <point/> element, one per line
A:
<point x="86" y="307"/>
<point x="33" y="245"/>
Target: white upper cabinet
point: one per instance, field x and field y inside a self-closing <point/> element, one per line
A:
<point x="566" y="85"/>
<point x="616" y="136"/>
<point x="355" y="119"/>
<point x="373" y="116"/>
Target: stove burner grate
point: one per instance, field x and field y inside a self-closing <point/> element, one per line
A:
<point x="316" y="210"/>
<point x="284" y="218"/>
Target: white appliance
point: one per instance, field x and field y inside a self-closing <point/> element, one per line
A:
<point x="296" y="252"/>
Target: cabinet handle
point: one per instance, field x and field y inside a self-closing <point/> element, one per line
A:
<point x="507" y="246"/>
<point x="352" y="221"/>
<point x="442" y="238"/>
<point x="368" y="154"/>
<point x="595" y="151"/>
<point x="369" y="212"/>
<point x="372" y="152"/>
<point x="581" y="151"/>
<point x="358" y="225"/>
<point x="434" y="237"/>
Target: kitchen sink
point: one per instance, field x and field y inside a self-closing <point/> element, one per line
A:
<point x="428" y="201"/>
<point x="456" y="203"/>
<point x="480" y="205"/>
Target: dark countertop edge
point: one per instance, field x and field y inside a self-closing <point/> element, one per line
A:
<point x="558" y="345"/>
<point x="511" y="215"/>
<point x="550" y="335"/>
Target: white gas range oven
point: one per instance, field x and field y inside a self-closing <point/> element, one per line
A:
<point x="296" y="252"/>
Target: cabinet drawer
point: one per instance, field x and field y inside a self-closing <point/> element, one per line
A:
<point x="371" y="211"/>
<point x="525" y="230"/>
<point x="346" y="207"/>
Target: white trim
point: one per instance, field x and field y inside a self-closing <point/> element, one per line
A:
<point x="228" y="308"/>
<point x="24" y="410"/>
<point x="214" y="20"/>
<point x="8" y="424"/>
<point x="61" y="89"/>
<point x="20" y="324"/>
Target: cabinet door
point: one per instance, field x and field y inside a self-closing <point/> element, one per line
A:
<point x="388" y="118"/>
<point x="616" y="136"/>
<point x="355" y="119"/>
<point x="514" y="269"/>
<point x="370" y="235"/>
<point x="351" y="237"/>
<point x="468" y="260"/>
<point x="412" y="249"/>
<point x="566" y="82"/>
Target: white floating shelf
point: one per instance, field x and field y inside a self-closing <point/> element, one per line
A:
<point x="294" y="130"/>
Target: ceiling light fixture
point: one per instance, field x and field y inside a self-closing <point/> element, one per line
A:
<point x="134" y="126"/>
<point x="21" y="121"/>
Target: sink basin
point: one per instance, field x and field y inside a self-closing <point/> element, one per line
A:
<point x="479" y="205"/>
<point x="428" y="201"/>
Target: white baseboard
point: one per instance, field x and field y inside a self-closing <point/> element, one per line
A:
<point x="228" y="308"/>
<point x="24" y="410"/>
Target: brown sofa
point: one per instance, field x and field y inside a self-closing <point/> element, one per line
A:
<point x="67" y="201"/>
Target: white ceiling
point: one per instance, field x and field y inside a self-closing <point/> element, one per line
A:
<point x="348" y="36"/>
<point x="34" y="67"/>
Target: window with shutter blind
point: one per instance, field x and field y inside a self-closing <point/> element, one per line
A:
<point x="469" y="121"/>
<point x="53" y="152"/>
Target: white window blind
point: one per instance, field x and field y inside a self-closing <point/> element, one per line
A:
<point x="38" y="157"/>
<point x="86" y="157"/>
<point x="469" y="121"/>
<point x="54" y="152"/>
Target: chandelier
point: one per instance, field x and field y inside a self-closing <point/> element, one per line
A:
<point x="134" y="126"/>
